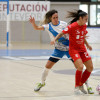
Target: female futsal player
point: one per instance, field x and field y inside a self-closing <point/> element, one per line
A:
<point x="53" y="26"/>
<point x="77" y="50"/>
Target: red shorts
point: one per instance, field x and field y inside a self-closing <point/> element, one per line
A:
<point x="79" y="55"/>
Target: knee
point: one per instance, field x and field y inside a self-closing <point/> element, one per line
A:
<point x="48" y="67"/>
<point x="80" y="68"/>
<point x="90" y="69"/>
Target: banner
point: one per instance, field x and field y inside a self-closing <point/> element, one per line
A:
<point x="21" y="10"/>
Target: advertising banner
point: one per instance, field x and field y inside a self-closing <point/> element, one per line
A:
<point x="21" y="10"/>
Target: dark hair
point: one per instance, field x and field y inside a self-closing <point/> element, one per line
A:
<point x="76" y="15"/>
<point x="48" y="16"/>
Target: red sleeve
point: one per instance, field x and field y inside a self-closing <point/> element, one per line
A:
<point x="86" y="32"/>
<point x="67" y="29"/>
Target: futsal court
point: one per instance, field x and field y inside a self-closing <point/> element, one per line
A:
<point x="25" y="51"/>
<point x="20" y="73"/>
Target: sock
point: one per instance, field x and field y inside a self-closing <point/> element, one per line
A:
<point x="87" y="84"/>
<point x="44" y="75"/>
<point x="78" y="78"/>
<point x="85" y="76"/>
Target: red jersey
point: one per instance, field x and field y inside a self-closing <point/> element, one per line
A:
<point x="76" y="36"/>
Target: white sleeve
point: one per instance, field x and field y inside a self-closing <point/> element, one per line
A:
<point x="46" y="26"/>
<point x="65" y="24"/>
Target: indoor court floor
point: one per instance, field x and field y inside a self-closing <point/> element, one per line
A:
<point x="21" y="68"/>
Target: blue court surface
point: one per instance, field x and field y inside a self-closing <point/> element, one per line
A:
<point x="30" y="52"/>
<point x="34" y="53"/>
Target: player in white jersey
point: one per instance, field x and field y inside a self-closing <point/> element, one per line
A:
<point x="53" y="26"/>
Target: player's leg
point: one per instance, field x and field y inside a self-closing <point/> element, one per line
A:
<point x="48" y="66"/>
<point x="89" y="68"/>
<point x="79" y="88"/>
<point x="88" y="64"/>
<point x="56" y="56"/>
<point x="45" y="72"/>
<point x="87" y="72"/>
<point x="89" y="88"/>
<point x="76" y="59"/>
<point x="82" y="87"/>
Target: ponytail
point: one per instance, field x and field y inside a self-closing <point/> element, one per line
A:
<point x="76" y="15"/>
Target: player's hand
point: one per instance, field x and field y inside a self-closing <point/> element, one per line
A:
<point x="52" y="42"/>
<point x="32" y="20"/>
<point x="89" y="47"/>
<point x="86" y="36"/>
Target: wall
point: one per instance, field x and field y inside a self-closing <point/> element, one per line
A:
<point x="24" y="32"/>
<point x="94" y="35"/>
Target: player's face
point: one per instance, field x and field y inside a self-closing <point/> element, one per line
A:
<point x="84" y="20"/>
<point x="54" y="19"/>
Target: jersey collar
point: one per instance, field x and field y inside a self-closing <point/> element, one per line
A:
<point x="57" y="24"/>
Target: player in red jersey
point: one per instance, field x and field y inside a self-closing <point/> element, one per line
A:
<point x="77" y="50"/>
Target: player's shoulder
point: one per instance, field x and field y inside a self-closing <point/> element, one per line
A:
<point x="63" y="22"/>
<point x="73" y="25"/>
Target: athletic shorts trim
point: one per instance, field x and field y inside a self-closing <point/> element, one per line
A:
<point x="54" y="59"/>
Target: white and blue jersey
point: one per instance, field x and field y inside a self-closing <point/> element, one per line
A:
<point x="62" y="45"/>
<point x="53" y="30"/>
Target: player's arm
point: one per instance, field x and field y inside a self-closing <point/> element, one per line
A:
<point x="65" y="31"/>
<point x="56" y="38"/>
<point x="87" y="44"/>
<point x="32" y="21"/>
